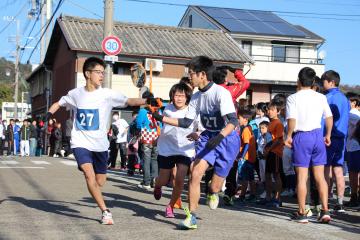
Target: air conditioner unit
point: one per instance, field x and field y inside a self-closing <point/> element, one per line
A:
<point x="157" y="64"/>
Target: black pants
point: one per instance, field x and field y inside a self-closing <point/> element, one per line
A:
<point x="2" y="141"/>
<point x="114" y="148"/>
<point x="10" y="147"/>
<point x="231" y="182"/>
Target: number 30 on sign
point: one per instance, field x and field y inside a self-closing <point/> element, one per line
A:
<point x="111" y="45"/>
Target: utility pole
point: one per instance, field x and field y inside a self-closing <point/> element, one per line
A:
<point x="108" y="30"/>
<point x="42" y="23"/>
<point x="17" y="70"/>
<point x="48" y="16"/>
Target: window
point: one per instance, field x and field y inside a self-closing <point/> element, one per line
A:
<point x="282" y="53"/>
<point x="247" y="45"/>
<point x="190" y="21"/>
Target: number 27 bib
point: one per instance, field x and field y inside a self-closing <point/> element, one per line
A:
<point x="87" y="119"/>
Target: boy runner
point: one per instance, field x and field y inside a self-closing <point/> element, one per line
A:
<point x="92" y="106"/>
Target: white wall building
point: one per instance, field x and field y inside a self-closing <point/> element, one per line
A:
<point x="23" y="111"/>
<point x="278" y="48"/>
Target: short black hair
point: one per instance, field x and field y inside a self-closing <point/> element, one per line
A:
<point x="202" y="64"/>
<point x="245" y="113"/>
<point x="317" y="85"/>
<point x="262" y="107"/>
<point x="91" y="63"/>
<point x="331" y="75"/>
<point x="353" y="97"/>
<point x="280" y="100"/>
<point x="307" y="76"/>
<point x="181" y="87"/>
<point x="264" y="123"/>
<point x="275" y="103"/>
<point x="219" y="75"/>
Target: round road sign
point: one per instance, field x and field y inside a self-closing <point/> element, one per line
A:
<point x="111" y="45"/>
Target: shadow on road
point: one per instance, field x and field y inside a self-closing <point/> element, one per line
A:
<point x="57" y="207"/>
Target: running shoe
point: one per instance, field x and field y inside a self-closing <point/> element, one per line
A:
<point x="178" y="203"/>
<point x="300" y="218"/>
<point x="189" y="222"/>
<point x="324" y="217"/>
<point x="169" y="212"/>
<point x="106" y="218"/>
<point x="213" y="200"/>
<point x="308" y="211"/>
<point x="339" y="208"/>
<point x="228" y="200"/>
<point x="157" y="193"/>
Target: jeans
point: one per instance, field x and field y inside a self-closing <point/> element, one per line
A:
<point x="33" y="145"/>
<point x="151" y="170"/>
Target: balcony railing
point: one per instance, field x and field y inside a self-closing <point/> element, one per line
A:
<point x="281" y="59"/>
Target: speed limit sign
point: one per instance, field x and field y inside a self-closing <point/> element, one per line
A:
<point x="111" y="45"/>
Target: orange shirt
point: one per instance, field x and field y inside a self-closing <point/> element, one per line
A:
<point x="276" y="129"/>
<point x="247" y="137"/>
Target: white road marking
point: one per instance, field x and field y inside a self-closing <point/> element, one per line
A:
<point x="9" y="162"/>
<point x="41" y="162"/>
<point x="69" y="163"/>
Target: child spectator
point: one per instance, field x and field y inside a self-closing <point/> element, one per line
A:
<point x="247" y="156"/>
<point x="273" y="155"/>
<point x="264" y="139"/>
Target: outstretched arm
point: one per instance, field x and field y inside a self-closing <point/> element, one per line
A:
<point x="136" y="101"/>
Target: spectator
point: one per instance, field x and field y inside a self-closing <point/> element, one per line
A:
<point x="33" y="138"/>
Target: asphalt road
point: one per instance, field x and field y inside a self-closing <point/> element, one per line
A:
<point x="46" y="198"/>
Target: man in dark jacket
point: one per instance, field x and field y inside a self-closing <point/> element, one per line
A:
<point x="33" y="138"/>
<point x="10" y="137"/>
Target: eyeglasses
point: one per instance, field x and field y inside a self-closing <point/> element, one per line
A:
<point x="99" y="72"/>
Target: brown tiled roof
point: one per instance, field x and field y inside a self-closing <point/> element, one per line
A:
<point x="84" y="34"/>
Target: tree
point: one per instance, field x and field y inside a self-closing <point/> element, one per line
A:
<point x="6" y="93"/>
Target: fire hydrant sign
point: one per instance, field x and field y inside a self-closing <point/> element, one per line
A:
<point x="111" y="45"/>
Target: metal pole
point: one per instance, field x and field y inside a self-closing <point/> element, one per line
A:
<point x="17" y="70"/>
<point x="48" y="16"/>
<point x="42" y="42"/>
<point x="108" y="30"/>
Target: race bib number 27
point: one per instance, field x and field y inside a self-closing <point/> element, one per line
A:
<point x="87" y="119"/>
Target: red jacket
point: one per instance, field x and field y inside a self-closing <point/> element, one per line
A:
<point x="238" y="88"/>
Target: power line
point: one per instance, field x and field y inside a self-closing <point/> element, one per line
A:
<point x="288" y="12"/>
<point x="42" y="35"/>
<point x="328" y="3"/>
<point x="83" y="8"/>
<point x="7" y="25"/>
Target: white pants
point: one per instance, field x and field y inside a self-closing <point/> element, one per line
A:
<point x="24" y="148"/>
<point x="287" y="162"/>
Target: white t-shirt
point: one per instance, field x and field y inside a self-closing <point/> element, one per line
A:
<point x="351" y="144"/>
<point x="308" y="108"/>
<point x="212" y="106"/>
<point x="91" y="115"/>
<point x="122" y="126"/>
<point x="172" y="140"/>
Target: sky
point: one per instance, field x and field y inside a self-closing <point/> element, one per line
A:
<point x="338" y="22"/>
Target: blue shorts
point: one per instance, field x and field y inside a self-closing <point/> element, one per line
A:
<point x="246" y="171"/>
<point x="99" y="160"/>
<point x="335" y="152"/>
<point x="309" y="149"/>
<point x="353" y="159"/>
<point x="223" y="156"/>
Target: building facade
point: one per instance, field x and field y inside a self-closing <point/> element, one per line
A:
<point x="278" y="48"/>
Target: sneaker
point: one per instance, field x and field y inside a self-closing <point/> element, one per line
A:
<point x="339" y="208"/>
<point x="213" y="200"/>
<point x="251" y="198"/>
<point x="143" y="186"/>
<point x="189" y="222"/>
<point x="228" y="201"/>
<point x="300" y="218"/>
<point x="106" y="218"/>
<point x="324" y="217"/>
<point x="353" y="203"/>
<point x="169" y="212"/>
<point x="308" y="211"/>
<point x="263" y="195"/>
<point x="71" y="156"/>
<point x="157" y="193"/>
<point x="178" y="203"/>
<point x="274" y="203"/>
<point x="287" y="193"/>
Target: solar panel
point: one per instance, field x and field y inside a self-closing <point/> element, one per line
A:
<point x="252" y="21"/>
